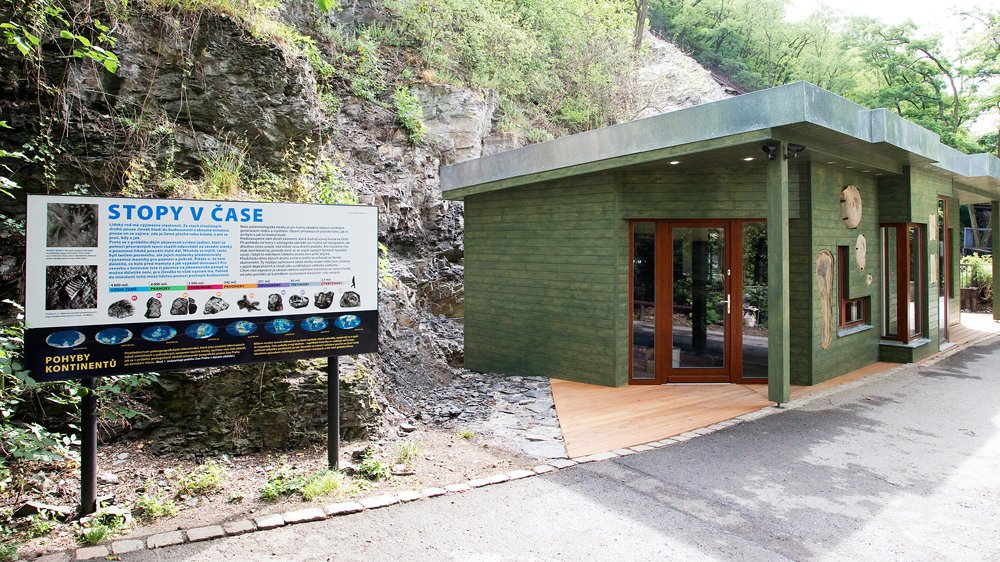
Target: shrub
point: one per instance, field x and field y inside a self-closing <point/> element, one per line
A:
<point x="982" y="272"/>
<point x="409" y="114"/>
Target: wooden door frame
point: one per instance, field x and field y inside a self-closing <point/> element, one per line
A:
<point x="945" y="272"/>
<point x="663" y="293"/>
<point x="665" y="370"/>
<point x="737" y="374"/>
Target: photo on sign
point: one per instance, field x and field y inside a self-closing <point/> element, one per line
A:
<point x="70" y="287"/>
<point x="71" y="226"/>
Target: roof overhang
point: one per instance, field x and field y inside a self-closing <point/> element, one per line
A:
<point x="800" y="112"/>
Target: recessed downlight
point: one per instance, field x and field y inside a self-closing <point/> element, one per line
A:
<point x="748" y="158"/>
<point x="675" y="162"/>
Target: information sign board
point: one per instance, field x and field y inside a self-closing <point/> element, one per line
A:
<point x="119" y="286"/>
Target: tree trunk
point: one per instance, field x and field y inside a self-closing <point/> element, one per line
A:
<point x="641" y="11"/>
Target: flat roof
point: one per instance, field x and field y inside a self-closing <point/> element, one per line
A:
<point x="799" y="112"/>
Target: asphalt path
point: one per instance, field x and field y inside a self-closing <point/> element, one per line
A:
<point x="903" y="466"/>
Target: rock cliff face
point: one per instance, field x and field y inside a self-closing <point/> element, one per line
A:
<point x="190" y="89"/>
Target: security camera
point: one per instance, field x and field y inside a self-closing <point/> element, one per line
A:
<point x="794" y="150"/>
<point x="770" y="150"/>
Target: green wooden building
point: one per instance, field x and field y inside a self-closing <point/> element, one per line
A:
<point x="784" y="236"/>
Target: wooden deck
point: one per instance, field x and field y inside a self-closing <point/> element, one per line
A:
<point x="596" y="419"/>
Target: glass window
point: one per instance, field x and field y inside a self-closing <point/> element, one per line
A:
<point x="902" y="281"/>
<point x="755" y="300"/>
<point x="916" y="287"/>
<point x="643" y="299"/>
<point x="853" y="312"/>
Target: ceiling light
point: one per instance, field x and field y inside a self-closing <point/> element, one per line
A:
<point x="849" y="167"/>
<point x="748" y="158"/>
<point x="675" y="162"/>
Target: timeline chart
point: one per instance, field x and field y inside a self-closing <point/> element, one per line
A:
<point x="101" y="267"/>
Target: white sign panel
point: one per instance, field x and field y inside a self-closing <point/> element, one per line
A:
<point x="149" y="282"/>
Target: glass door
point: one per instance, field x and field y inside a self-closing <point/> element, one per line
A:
<point x="701" y="299"/>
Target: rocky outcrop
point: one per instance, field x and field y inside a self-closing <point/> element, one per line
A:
<point x="459" y="120"/>
<point x="266" y="406"/>
<point x="671" y="80"/>
<point x="189" y="90"/>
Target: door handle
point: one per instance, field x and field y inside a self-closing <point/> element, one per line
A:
<point x="728" y="306"/>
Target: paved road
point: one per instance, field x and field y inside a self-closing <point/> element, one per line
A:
<point x="903" y="467"/>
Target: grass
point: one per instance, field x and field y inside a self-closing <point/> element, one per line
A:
<point x="40" y="526"/>
<point x="286" y="480"/>
<point x="408" y="451"/>
<point x="466" y="434"/>
<point x="327" y="483"/>
<point x="282" y="481"/>
<point x="372" y="468"/>
<point x="8" y="551"/>
<point x="155" y="504"/>
<point x="203" y="478"/>
<point x="103" y="527"/>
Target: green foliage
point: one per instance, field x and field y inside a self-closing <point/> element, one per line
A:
<point x="39" y="18"/>
<point x="155" y="504"/>
<point x="204" y="478"/>
<point x="466" y="434"/>
<point x="282" y="481"/>
<point x="981" y="275"/>
<point x="329" y="483"/>
<point x="384" y="266"/>
<point x="39" y="525"/>
<point x="541" y="53"/>
<point x="103" y="526"/>
<point x="539" y="135"/>
<point x="372" y="468"/>
<point x="408" y="451"/>
<point x="409" y="114"/>
<point x="8" y="550"/>
<point x="223" y="174"/>
<point x="897" y="67"/>
<point x="329" y="186"/>
<point x="367" y="79"/>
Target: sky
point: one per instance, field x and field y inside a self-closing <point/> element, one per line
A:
<point x="925" y="13"/>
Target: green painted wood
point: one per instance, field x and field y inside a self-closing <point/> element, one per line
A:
<point x="778" y="373"/>
<point x="612" y="163"/>
<point x="540" y="275"/>
<point x="852" y="351"/>
<point x="995" y="225"/>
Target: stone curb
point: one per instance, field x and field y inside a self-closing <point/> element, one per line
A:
<point x="264" y="522"/>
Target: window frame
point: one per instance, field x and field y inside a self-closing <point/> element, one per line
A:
<point x="902" y="289"/>
<point x="843" y="293"/>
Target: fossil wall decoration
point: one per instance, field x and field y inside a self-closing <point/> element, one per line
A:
<point x="850" y="206"/>
<point x="824" y="278"/>
<point x="861" y="250"/>
<point x="869" y="280"/>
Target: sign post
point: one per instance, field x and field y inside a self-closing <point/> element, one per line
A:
<point x="88" y="448"/>
<point x="119" y="286"/>
<point x="333" y="412"/>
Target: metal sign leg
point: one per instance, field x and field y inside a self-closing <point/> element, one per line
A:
<point x="88" y="448"/>
<point x="333" y="412"/>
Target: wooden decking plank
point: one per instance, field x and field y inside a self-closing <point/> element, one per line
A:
<point x="595" y="419"/>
